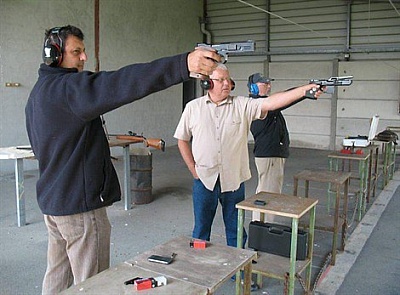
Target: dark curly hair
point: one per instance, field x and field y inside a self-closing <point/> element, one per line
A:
<point x="63" y="33"/>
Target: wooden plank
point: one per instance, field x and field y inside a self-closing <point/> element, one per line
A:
<point x="111" y="281"/>
<point x="113" y="141"/>
<point x="278" y="204"/>
<point x="326" y="176"/>
<point x="276" y="266"/>
<point x="208" y="267"/>
<point x="338" y="155"/>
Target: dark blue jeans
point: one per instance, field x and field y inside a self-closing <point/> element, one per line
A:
<point x="205" y="203"/>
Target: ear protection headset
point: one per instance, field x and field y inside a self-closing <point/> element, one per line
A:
<point x="208" y="84"/>
<point x="53" y="48"/>
<point x="253" y="88"/>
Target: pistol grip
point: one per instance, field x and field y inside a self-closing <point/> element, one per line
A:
<point x="224" y="57"/>
<point x="311" y="93"/>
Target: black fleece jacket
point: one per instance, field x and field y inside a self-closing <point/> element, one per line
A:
<point x="65" y="131"/>
<point x="271" y="137"/>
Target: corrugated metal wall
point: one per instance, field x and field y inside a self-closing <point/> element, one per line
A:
<point x="316" y="26"/>
<point x="300" y="40"/>
<point x="232" y="21"/>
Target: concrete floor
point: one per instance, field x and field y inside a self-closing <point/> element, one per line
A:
<point x="23" y="250"/>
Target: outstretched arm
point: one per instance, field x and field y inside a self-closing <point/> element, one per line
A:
<point x="281" y="99"/>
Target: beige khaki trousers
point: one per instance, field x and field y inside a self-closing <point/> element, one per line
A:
<point x="270" y="178"/>
<point x="78" y="248"/>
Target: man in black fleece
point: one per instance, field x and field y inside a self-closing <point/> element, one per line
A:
<point x="77" y="179"/>
<point x="271" y="141"/>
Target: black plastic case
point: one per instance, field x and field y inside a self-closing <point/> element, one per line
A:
<point x="276" y="239"/>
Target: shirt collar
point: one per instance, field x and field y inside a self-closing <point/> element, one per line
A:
<point x="227" y="100"/>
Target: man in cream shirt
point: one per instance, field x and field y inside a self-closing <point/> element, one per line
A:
<point x="212" y="139"/>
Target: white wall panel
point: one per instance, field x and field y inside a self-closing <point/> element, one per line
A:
<point x="309" y="141"/>
<point x="376" y="90"/>
<point x="367" y="108"/>
<point x="310" y="108"/>
<point x="382" y="90"/>
<point x="310" y="126"/>
<point x="378" y="70"/>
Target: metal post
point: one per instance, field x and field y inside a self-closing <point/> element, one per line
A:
<point x="19" y="189"/>
<point x="239" y="244"/>
<point x="293" y="253"/>
<point x="127" y="178"/>
<point x="310" y="246"/>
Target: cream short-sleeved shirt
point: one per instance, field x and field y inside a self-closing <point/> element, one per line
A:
<point x="220" y="135"/>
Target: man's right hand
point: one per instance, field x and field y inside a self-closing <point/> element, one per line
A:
<point x="203" y="61"/>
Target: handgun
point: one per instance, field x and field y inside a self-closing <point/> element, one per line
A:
<point x="327" y="85"/>
<point x="224" y="49"/>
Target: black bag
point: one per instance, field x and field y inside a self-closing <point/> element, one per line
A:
<point x="388" y="136"/>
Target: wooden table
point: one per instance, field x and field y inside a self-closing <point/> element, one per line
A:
<point x="18" y="154"/>
<point x="363" y="174"/>
<point x="209" y="267"/>
<point x="288" y="206"/>
<point x="193" y="271"/>
<point x="21" y="153"/>
<point x="339" y="179"/>
<point x="111" y="281"/>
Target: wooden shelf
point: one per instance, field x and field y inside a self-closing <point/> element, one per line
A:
<point x="275" y="266"/>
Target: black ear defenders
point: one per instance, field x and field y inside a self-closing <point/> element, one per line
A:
<point x="52" y="49"/>
<point x="208" y="84"/>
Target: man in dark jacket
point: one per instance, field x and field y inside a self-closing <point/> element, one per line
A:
<point x="77" y="179"/>
<point x="271" y="141"/>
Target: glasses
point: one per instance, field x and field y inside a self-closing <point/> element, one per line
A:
<point x="221" y="80"/>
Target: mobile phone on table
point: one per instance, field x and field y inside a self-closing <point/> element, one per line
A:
<point x="260" y="202"/>
<point x="161" y="259"/>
